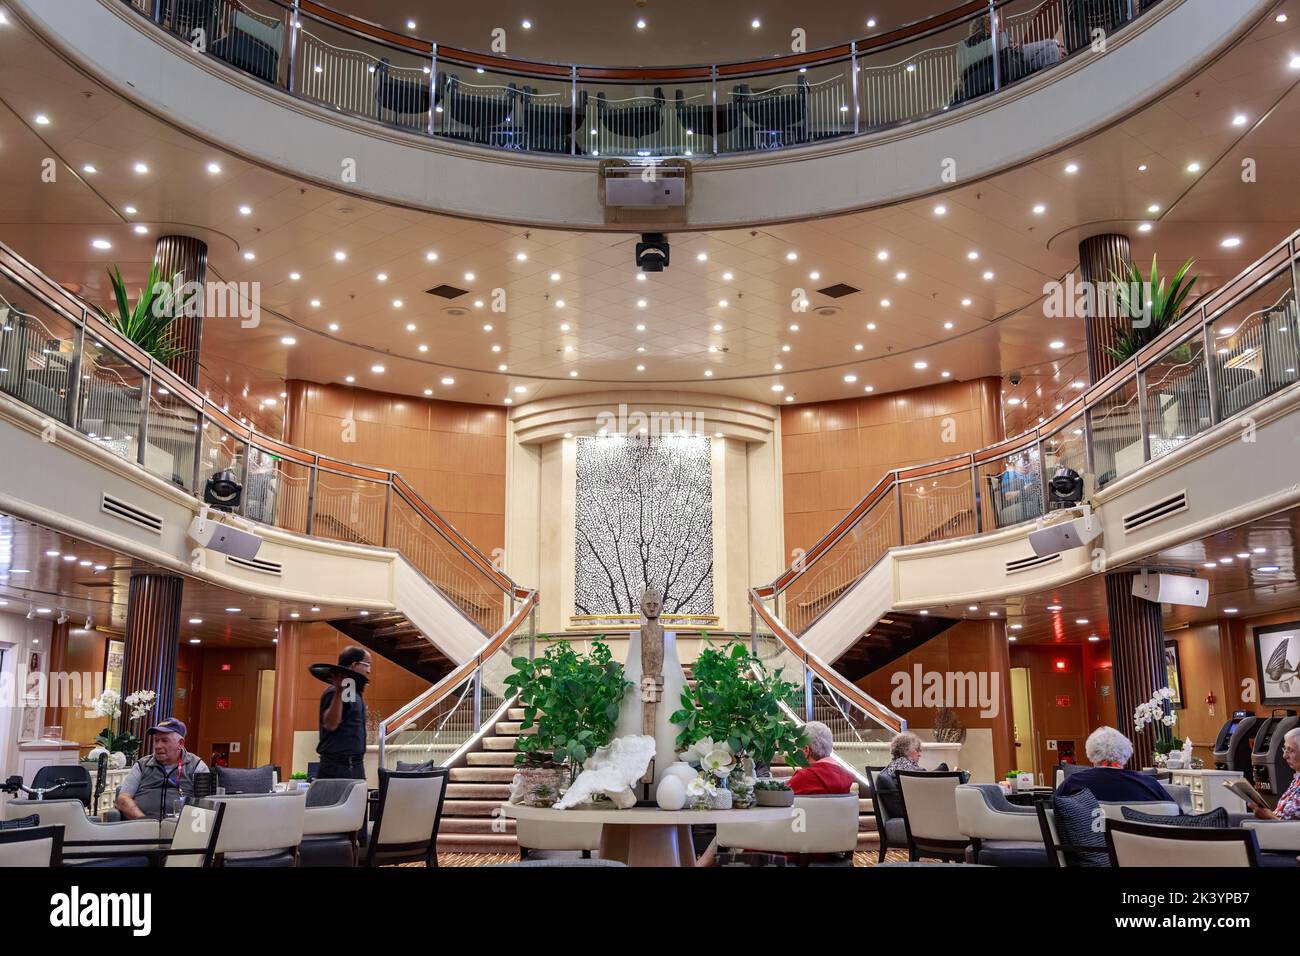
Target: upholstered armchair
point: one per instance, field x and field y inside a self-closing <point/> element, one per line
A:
<point x="1001" y="833"/>
<point x="334" y="814"/>
<point x="830" y="826"/>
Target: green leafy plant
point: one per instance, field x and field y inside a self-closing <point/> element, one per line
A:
<point x="572" y="699"/>
<point x="148" y="323"/>
<point x="1163" y="311"/>
<point x="772" y="784"/>
<point x="298" y="775"/>
<point x="738" y="701"/>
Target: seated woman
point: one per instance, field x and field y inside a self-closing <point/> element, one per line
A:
<point x="1288" y="807"/>
<point x="1108" y="750"/>
<point x="824" y="774"/>
<point x="904" y="753"/>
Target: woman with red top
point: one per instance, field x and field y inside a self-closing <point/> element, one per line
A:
<point x="824" y="774"/>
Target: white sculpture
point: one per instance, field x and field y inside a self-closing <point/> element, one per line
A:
<point x="613" y="772"/>
<point x="1187" y="752"/>
<point x="658" y="697"/>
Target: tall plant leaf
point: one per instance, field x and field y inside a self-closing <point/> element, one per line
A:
<point x="148" y="323"/>
<point x="1168" y="298"/>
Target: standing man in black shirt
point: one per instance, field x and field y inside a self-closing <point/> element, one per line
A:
<point x="342" y="746"/>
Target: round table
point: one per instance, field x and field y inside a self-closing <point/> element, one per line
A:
<point x="647" y="836"/>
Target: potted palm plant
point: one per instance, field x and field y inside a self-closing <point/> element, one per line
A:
<point x="1150" y="317"/>
<point x="148" y="323"/>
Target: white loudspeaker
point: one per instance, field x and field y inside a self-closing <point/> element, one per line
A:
<point x="224" y="538"/>
<point x="1172" y="589"/>
<point x="1064" y="535"/>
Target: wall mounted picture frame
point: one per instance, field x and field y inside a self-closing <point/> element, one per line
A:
<point x="1277" y="657"/>
<point x="1174" y="673"/>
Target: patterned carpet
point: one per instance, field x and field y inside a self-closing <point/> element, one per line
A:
<point x="496" y="859"/>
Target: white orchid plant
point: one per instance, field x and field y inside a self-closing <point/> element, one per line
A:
<point x="718" y="769"/>
<point x="109" y="705"/>
<point x="1158" y="712"/>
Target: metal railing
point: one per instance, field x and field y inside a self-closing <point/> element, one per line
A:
<point x="1233" y="348"/>
<point x="348" y="64"/>
<point x="60" y="359"/>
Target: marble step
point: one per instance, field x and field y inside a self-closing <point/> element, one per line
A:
<point x="491" y="758"/>
<point x="478" y="791"/>
<point x="470" y="808"/>
<point x="498" y="743"/>
<point x="515" y="713"/>
<point x="510" y="728"/>
<point x="478" y="843"/>
<point x="480" y="825"/>
<point x="482" y="774"/>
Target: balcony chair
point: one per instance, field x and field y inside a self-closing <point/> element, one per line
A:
<point x="260" y="829"/>
<point x="545" y="838"/>
<point x="399" y="96"/>
<point x="484" y="113"/>
<point x="334" y="815"/>
<point x="930" y="815"/>
<point x="1082" y="17"/>
<point x="31" y="847"/>
<point x="887" y="808"/>
<point x="550" y="127"/>
<point x="700" y="119"/>
<point x="1144" y="844"/>
<point x="1279" y="354"/>
<point x="1001" y="833"/>
<point x="781" y="118"/>
<point x="632" y="122"/>
<point x="831" y="827"/>
<point x="251" y="45"/>
<point x="409" y="812"/>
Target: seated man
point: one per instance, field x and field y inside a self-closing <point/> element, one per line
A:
<point x="824" y="774"/>
<point x="1108" y="750"/>
<point x="160" y="783"/>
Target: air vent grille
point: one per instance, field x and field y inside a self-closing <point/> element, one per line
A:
<point x="445" y="291"/>
<point x="1158" y="511"/>
<point x="839" y="290"/>
<point x="254" y="564"/>
<point x="1028" y="564"/>
<point x="112" y="505"/>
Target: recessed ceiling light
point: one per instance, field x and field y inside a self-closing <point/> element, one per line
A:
<point x="1056" y="344"/>
<point x="249" y="255"/>
<point x="1232" y="242"/>
<point x="1013" y="402"/>
<point x="1143" y="167"/>
<point x="815" y="276"/>
<point x="1078" y="385"/>
<point x="988" y="275"/>
<point x="377" y="369"/>
<point x="1295" y="63"/>
<point x="1054" y="607"/>
<point x="410" y="24"/>
<point x="900" y="276"/>
<point x="883" y="255"/>
<point x="850" y="379"/>
<point x="527" y="24"/>
<point x="448" y="380"/>
<point x="1080" y="620"/>
<point x="785" y="348"/>
<point x="101" y="244"/>
<point x="870" y="388"/>
<point x="973" y="255"/>
<point x="42" y="119"/>
<point x="245" y="210"/>
<point x="941" y="210"/>
<point x="431" y="256"/>
<point x="89" y="168"/>
<point x="726" y="277"/>
<point x="794" y="327"/>
<point x="708" y="373"/>
<point x="791" y="256"/>
<point x="1093" y="638"/>
<point x="756" y="23"/>
<point x="945" y="374"/>
<point x="858" y="347"/>
<point x="1015" y="627"/>
<point x="232" y="610"/>
<point x="1039" y="209"/>
<point x="1280" y="18"/>
<point x="141" y="168"/>
<point x="573" y="374"/>
<point x="214" y="168"/>
<point x="778" y="367"/>
<point x="1229" y="610"/>
<point x="410" y="326"/>
<point x="1226" y="560"/>
<point x="966" y="302"/>
<point x="1270" y="568"/>
<point x="340" y="255"/>
<point x="288" y="340"/>
<point x="947" y="325"/>
<point x="521" y="257"/>
<point x="129" y="210"/>
<point x="521" y="390"/>
<point x="1193" y="167"/>
<point x="334" y="326"/>
<point x="640" y="24"/>
<point x="701" y="257"/>
<point x="195" y="640"/>
<point x="1240" y="119"/>
<point x="789" y="398"/>
<point x="350" y="379"/>
<point x="884" y="303"/>
<point x="502" y="368"/>
<point x="382" y="277"/>
<point x="640" y="368"/>
<point x="1072" y="168"/>
<point x="920" y="365"/>
<point x="1243" y="554"/>
<point x="1145" y="227"/>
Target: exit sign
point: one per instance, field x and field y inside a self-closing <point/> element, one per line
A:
<point x="223" y="703"/>
<point x="1062" y="700"/>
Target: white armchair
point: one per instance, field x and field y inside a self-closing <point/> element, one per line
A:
<point x="1276" y="836"/>
<point x="535" y="835"/>
<point x="334" y="815"/>
<point x="830" y="825"/>
<point x="1150" y="845"/>
<point x="930" y="815"/>
<point x="81" y="832"/>
<point x="1001" y="833"/>
<point x="260" y="829"/>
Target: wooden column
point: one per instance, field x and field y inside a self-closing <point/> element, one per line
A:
<point x="55" y="707"/>
<point x="153" y="633"/>
<point x="188" y="257"/>
<point x="1004" y="735"/>
<point x="1099" y="258"/>
<point x="1236" y="665"/>
<point x="286" y="695"/>
<point x="1137" y="648"/>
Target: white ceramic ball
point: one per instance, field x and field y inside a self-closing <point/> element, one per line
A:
<point x="682" y="770"/>
<point x="671" y="793"/>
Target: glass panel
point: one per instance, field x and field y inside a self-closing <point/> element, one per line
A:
<point x="36" y="352"/>
<point x="1255" y="345"/>
<point x="435" y="733"/>
<point x="362" y="76"/>
<point x="924" y="76"/>
<point x="1116" y="434"/>
<point x="275" y="491"/>
<point x="1067" y="448"/>
<point x="111" y="389"/>
<point x="1178" y="396"/>
<point x="1032" y="36"/>
<point x="843" y="563"/>
<point x="222" y="451"/>
<point x="632" y="119"/>
<point x="496" y="109"/>
<point x="938" y="508"/>
<point x="249" y="35"/>
<point x="789" y="109"/>
<point x="455" y="575"/>
<point x="1011" y="489"/>
<point x="348" y="509"/>
<point x="171" y="437"/>
<point x="1080" y="20"/>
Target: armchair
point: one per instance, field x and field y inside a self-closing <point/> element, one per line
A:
<point x="885" y="799"/>
<point x="117" y="838"/>
<point x="1142" y="844"/>
<point x="1279" y="840"/>
<point x="334" y="815"/>
<point x="930" y="815"/>
<point x="31" y="847"/>
<point x="830" y="826"/>
<point x="1001" y="833"/>
<point x="260" y="829"/>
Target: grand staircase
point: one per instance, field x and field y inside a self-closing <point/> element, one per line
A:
<point x="471" y="818"/>
<point x="394" y="637"/>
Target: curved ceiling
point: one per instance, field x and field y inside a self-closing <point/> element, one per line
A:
<point x="910" y="262"/>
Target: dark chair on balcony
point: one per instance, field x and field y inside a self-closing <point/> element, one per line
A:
<point x="780" y="118"/>
<point x="548" y="125"/>
<point x="632" y="122"/>
<point x="399" y="96"/>
<point x="488" y="115"/>
<point x="253" y="45"/>
<point x="701" y="119"/>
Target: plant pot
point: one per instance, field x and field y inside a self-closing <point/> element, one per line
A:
<point x="538" y="786"/>
<point x="1174" y="763"/>
<point x="774" y="798"/>
<point x="721" y="800"/>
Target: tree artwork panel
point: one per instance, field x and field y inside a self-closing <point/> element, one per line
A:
<point x="644" y="517"/>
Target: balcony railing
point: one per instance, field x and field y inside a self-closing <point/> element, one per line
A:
<point x="347" y="64"/>
<point x="1233" y="349"/>
<point x="59" y="358"/>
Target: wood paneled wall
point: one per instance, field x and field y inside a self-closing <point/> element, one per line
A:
<point x="453" y="454"/>
<point x="832" y="453"/>
<point x="1057" y="697"/>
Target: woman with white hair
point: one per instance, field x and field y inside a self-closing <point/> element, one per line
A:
<point x="904" y="754"/>
<point x="823" y="774"/>
<point x="1109" y="751"/>
<point x="1288" y="807"/>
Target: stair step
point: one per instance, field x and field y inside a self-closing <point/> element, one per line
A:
<point x="471" y="808"/>
<point x="479" y="825"/>
<point x="478" y="791"/>
<point x="478" y="843"/>
<point x="499" y="743"/>
<point x="511" y="728"/>
<point x="474" y="774"/>
<point x="515" y="713"/>
<point x="490" y="758"/>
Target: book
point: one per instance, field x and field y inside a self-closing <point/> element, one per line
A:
<point x="1243" y="789"/>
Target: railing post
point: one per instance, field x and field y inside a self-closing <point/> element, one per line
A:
<point x="993" y="36"/>
<point x="293" y="47"/>
<point x="1140" y="384"/>
<point x="532" y="633"/>
<point x="1042" y="478"/>
<point x="853" y="73"/>
<point x="1211" y="370"/>
<point x="1130" y="11"/>
<point x="975" y="495"/>
<point x="157" y="12"/>
<point x="576" y="127"/>
<point x="898" y="505"/>
<point x="198" y="451"/>
<point x="1089" y="447"/>
<point x="713" y="85"/>
<point x="388" y="507"/>
<point x="74" y="386"/>
<point x="143" y="428"/>
<point x="311" y="493"/>
<point x="753" y="631"/>
<point x="807" y="691"/>
<point x="433" y="87"/>
<point x="478" y="698"/>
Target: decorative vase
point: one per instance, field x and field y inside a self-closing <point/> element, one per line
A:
<point x="721" y="799"/>
<point x="682" y="771"/>
<point x="671" y="793"/>
<point x="1174" y="763"/>
<point x="774" y="798"/>
<point x="538" y="786"/>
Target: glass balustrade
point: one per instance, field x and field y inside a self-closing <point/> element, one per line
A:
<point x="903" y="75"/>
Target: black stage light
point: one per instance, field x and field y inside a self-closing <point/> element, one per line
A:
<point x="1065" y="490"/>
<point x="223" y="491"/>
<point x="652" y="252"/>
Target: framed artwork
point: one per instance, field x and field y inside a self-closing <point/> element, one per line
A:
<point x="1174" y="673"/>
<point x="1277" y="655"/>
<point x="113" y="661"/>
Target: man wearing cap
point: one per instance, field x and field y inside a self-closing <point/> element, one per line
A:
<point x="342" y="746"/>
<point x="161" y="782"/>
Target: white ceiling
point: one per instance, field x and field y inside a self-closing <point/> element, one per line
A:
<point x="295" y="227"/>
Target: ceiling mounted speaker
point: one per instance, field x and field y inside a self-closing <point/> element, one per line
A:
<point x="1172" y="589"/>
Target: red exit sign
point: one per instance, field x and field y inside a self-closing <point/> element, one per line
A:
<point x="1062" y="700"/>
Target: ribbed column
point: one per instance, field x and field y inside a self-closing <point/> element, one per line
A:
<point x="153" y="633"/>
<point x="1101" y="257"/>
<point x="288" y="668"/>
<point x="1137" y="650"/>
<point x="188" y="257"/>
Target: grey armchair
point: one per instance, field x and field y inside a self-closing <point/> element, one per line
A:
<point x="1001" y="833"/>
<point x="335" y="814"/>
<point x="885" y="798"/>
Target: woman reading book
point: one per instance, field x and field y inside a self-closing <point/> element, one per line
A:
<point x="1288" y="807"/>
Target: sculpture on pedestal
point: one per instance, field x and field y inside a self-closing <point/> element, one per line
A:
<point x="658" y="681"/>
<point x="652" y="664"/>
